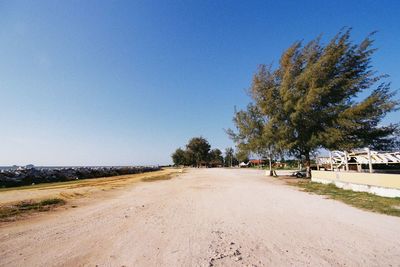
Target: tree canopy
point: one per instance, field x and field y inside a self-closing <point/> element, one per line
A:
<point x="198" y="152"/>
<point x="199" y="147"/>
<point x="179" y="157"/>
<point x="216" y="158"/>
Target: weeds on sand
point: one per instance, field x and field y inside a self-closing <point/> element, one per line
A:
<point x="29" y="206"/>
<point x="363" y="200"/>
<point x="158" y="178"/>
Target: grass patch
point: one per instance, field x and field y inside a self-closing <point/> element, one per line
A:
<point x="362" y="200"/>
<point x="24" y="207"/>
<point x="157" y="178"/>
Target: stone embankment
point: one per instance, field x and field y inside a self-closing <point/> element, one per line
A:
<point x="28" y="176"/>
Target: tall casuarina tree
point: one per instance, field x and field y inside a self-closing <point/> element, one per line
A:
<point x="312" y="99"/>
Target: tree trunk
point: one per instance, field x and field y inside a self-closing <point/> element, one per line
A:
<point x="308" y="164"/>
<point x="271" y="173"/>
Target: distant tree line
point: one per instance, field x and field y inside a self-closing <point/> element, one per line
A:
<point x="319" y="96"/>
<point x="198" y="153"/>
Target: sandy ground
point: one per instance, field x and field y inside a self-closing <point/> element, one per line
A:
<point x="206" y="217"/>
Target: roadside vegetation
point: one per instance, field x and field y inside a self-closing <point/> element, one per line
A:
<point x="11" y="211"/>
<point x="362" y="200"/>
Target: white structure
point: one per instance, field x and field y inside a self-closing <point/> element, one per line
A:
<point x="340" y="160"/>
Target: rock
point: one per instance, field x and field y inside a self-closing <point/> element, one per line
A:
<point x="237" y="253"/>
<point x="238" y="258"/>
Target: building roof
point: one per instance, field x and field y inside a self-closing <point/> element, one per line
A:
<point x="256" y="161"/>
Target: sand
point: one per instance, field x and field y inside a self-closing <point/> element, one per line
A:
<point x="204" y="217"/>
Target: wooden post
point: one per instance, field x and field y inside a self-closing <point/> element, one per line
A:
<point x="330" y="156"/>
<point x="369" y="160"/>
<point x="346" y="160"/>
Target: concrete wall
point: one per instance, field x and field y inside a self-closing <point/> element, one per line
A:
<point x="377" y="183"/>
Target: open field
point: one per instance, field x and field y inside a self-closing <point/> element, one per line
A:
<point x="203" y="217"/>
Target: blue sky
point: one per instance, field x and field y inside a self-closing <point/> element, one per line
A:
<point x="127" y="82"/>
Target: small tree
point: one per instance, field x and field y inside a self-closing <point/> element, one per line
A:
<point x="254" y="135"/>
<point x="179" y="157"/>
<point x="229" y="159"/>
<point x="215" y="157"/>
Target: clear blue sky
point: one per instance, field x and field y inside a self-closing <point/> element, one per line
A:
<point x="127" y="82"/>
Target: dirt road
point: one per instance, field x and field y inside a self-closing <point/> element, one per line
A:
<point x="206" y="217"/>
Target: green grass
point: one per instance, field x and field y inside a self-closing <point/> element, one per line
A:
<point x="362" y="200"/>
<point x="29" y="206"/>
